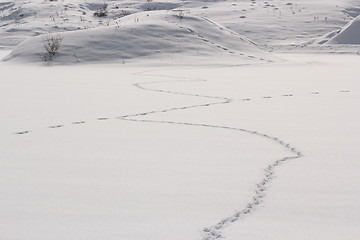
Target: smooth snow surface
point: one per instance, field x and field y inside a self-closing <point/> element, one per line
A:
<point x="165" y="159"/>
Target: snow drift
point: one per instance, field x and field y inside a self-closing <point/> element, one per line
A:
<point x="159" y="34"/>
<point x="350" y="34"/>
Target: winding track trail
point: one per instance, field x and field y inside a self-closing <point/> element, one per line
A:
<point x="214" y="231"/>
<point x="262" y="186"/>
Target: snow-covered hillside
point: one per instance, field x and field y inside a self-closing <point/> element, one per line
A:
<point x="131" y="26"/>
<point x="159" y="34"/>
<point x="350" y="34"/>
<point x="180" y="120"/>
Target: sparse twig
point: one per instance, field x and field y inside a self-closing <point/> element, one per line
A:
<point x="180" y="14"/>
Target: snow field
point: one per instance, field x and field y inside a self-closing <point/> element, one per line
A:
<point x="96" y="173"/>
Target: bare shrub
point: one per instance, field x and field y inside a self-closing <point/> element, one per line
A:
<point x="180" y="14"/>
<point x="52" y="44"/>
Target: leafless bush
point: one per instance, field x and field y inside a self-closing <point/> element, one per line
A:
<point x="51" y="44"/>
<point x="180" y="14"/>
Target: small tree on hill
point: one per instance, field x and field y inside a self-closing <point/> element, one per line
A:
<point x="52" y="44"/>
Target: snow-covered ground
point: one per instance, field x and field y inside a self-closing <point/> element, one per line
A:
<point x="180" y="120"/>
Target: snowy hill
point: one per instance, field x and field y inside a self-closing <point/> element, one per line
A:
<point x="267" y="23"/>
<point x="20" y="20"/>
<point x="158" y="34"/>
<point x="350" y="34"/>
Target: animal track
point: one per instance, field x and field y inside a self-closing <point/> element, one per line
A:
<point x="214" y="232"/>
<point x="77" y="123"/>
<point x="22" y="132"/>
<point x="56" y="126"/>
<point x="191" y="31"/>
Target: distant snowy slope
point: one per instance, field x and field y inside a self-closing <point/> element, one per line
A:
<point x="270" y="23"/>
<point x="20" y="20"/>
<point x="158" y="34"/>
<point x="280" y="22"/>
<point x="350" y="34"/>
